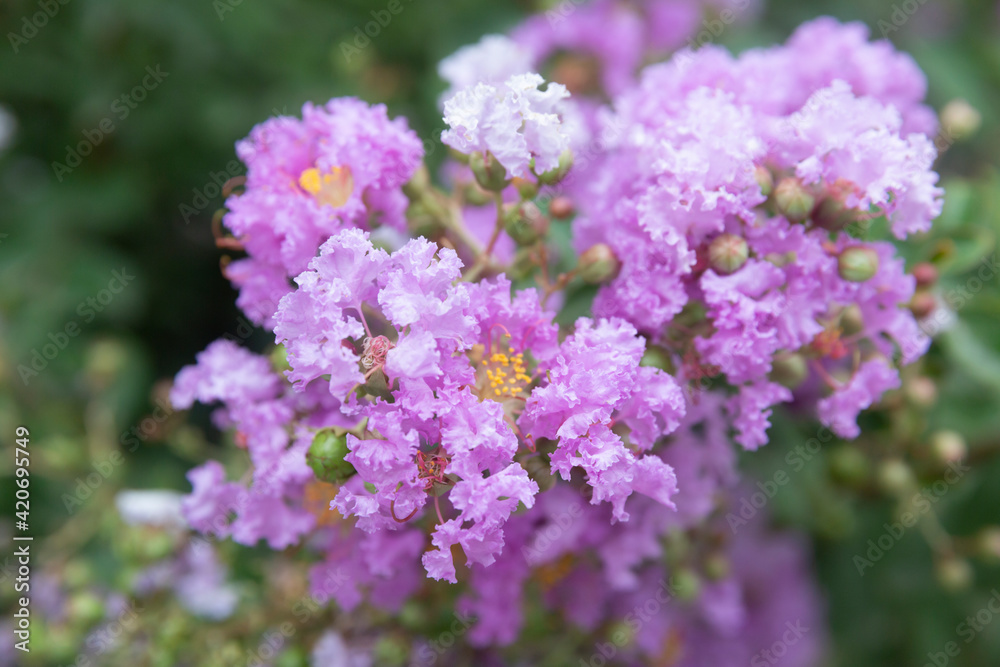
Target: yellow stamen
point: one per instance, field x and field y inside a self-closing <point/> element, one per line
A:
<point x="333" y="188"/>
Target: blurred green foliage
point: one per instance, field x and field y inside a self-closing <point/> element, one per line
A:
<point x="229" y="64"/>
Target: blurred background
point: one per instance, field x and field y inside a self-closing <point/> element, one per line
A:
<point x="110" y="283"/>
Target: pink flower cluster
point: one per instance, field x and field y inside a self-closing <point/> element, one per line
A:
<point x="728" y="222"/>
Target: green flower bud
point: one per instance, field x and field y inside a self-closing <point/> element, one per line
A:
<point x="279" y="359"/>
<point x="598" y="264"/>
<point x="857" y="264"/>
<point x="326" y="457"/>
<point x="523" y="265"/>
<point x="553" y="176"/>
<point x="621" y="634"/>
<point x="789" y="370"/>
<point x="156" y="546"/>
<point x="960" y="120"/>
<point x="895" y="477"/>
<point x="489" y="173"/>
<point x="390" y="651"/>
<point x="764" y="179"/>
<point x="418" y="184"/>
<point x="85" y="608"/>
<point x="954" y="573"/>
<point x="948" y="447"/>
<point x="525" y="223"/>
<point x="849" y="466"/>
<point x="685" y="584"/>
<point x="793" y="200"/>
<point x="528" y="189"/>
<point x="921" y="391"/>
<point x="831" y="213"/>
<point x="988" y="543"/>
<point x="717" y="566"/>
<point x="657" y="357"/>
<point x="727" y="253"/>
<point x="851" y="320"/>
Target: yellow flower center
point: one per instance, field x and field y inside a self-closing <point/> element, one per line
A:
<point x="502" y="376"/>
<point x="333" y="188"/>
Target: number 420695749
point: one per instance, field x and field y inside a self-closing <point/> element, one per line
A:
<point x="21" y="462"/>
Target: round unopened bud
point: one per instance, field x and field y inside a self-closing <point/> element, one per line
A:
<point x="954" y="573"/>
<point x="895" y="477"/>
<point x="794" y="201"/>
<point x="685" y="584"/>
<point x="657" y="357"/>
<point x="326" y="457"/>
<point x="764" y="179"/>
<point x="85" y="608"/>
<point x="922" y="304"/>
<point x="279" y="359"/>
<point x="420" y="182"/>
<point x="988" y="543"/>
<point x="561" y="208"/>
<point x="851" y="320"/>
<point x="622" y="633"/>
<point x="553" y="176"/>
<point x="489" y="173"/>
<point x="524" y="264"/>
<point x="849" y="466"/>
<point x="525" y="223"/>
<point x="727" y="253"/>
<point x="390" y="651"/>
<point x="960" y="119"/>
<point x="717" y="566"/>
<point x="789" y="370"/>
<point x="925" y="273"/>
<point x="921" y="391"/>
<point x="857" y="263"/>
<point x="528" y="189"/>
<point x="781" y="259"/>
<point x="831" y="212"/>
<point x="948" y="446"/>
<point x="598" y="264"/>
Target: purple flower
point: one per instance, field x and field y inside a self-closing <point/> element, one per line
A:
<point x="341" y="165"/>
<point x="515" y="121"/>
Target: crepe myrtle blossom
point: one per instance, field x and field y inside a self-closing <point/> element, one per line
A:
<point x="341" y="165"/>
<point x="738" y="215"/>
<point x="261" y="407"/>
<point x="458" y="365"/>
<point x="516" y="122"/>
